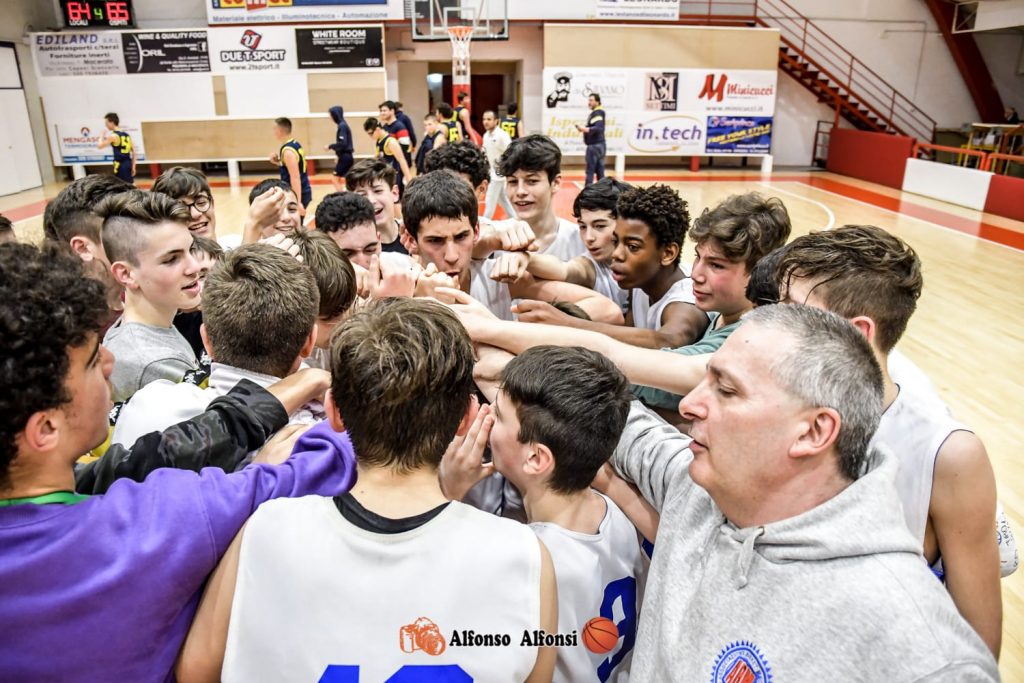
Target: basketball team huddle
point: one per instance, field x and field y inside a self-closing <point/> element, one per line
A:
<point x="649" y="441"/>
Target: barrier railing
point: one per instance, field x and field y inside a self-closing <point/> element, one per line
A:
<point x="997" y="156"/>
<point x="959" y="151"/>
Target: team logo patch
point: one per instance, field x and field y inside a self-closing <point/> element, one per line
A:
<point x="741" y="662"/>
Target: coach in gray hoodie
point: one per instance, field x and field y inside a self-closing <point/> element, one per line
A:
<point x="782" y="553"/>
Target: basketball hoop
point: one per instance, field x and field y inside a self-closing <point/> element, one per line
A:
<point x="460" y="36"/>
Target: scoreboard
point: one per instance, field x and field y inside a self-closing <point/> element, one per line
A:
<point x="97" y="13"/>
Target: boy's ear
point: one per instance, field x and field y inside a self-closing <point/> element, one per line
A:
<point x="481" y="191"/>
<point x="394" y="192"/>
<point x="556" y="184"/>
<point x="83" y="246"/>
<point x="540" y="462"/>
<point x="123" y="274"/>
<point x="669" y="254"/>
<point x="467" y="419"/>
<point x="333" y="414"/>
<point x="206" y="341"/>
<point x="309" y="345"/>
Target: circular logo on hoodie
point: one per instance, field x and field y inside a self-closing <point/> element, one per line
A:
<point x="741" y="662"/>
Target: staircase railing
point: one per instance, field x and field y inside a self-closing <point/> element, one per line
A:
<point x="863" y="85"/>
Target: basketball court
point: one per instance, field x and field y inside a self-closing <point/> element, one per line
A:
<point x="967" y="334"/>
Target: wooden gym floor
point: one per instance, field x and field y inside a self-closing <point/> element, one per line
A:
<point x="967" y="335"/>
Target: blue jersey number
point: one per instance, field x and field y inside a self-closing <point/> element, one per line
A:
<point x="623" y="590"/>
<point x="410" y="673"/>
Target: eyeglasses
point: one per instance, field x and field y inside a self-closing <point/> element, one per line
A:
<point x="202" y="203"/>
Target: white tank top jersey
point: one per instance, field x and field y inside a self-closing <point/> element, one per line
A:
<point x="912" y="378"/>
<point x="647" y="316"/>
<point x="567" y="244"/>
<point x="606" y="285"/>
<point x="494" y="295"/>
<point x="599" y="575"/>
<point x="319" y="598"/>
<point x="914" y="429"/>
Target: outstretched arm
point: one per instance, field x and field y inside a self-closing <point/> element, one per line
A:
<point x="681" y="325"/>
<point x="600" y="308"/>
<point x="579" y="271"/>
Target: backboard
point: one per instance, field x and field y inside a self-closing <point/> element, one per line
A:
<point x="431" y="19"/>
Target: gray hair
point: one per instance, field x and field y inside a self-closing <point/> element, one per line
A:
<point x="830" y="365"/>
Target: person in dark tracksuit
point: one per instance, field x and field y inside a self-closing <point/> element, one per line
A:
<point x="593" y="138"/>
<point x="342" y="147"/>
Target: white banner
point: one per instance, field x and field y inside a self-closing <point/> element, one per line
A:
<point x="78" y="54"/>
<point x="653" y="111"/>
<point x="646" y="10"/>
<point x="253" y="49"/>
<point x="77" y="140"/>
<point x="292" y="11"/>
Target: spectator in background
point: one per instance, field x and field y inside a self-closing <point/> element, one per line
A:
<point x="593" y="138"/>
<point x="1010" y="115"/>
<point x="292" y="160"/>
<point x="496" y="141"/>
<point x="435" y="136"/>
<point x="395" y="128"/>
<point x="511" y="123"/>
<point x="407" y="122"/>
<point x="342" y="147"/>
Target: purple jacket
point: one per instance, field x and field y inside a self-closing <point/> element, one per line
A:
<point x="105" y="590"/>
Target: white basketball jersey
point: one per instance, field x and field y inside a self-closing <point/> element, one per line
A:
<point x="606" y="285"/>
<point x="911" y="378"/>
<point x="320" y="599"/>
<point x="915" y="430"/>
<point x="648" y="316"/>
<point x="599" y="575"/>
<point x="567" y="244"/>
<point x="494" y="295"/>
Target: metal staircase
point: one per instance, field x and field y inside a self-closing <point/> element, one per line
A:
<point x="823" y="66"/>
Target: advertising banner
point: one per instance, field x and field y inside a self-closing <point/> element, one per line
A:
<point x="295" y="11"/>
<point x="663" y="111"/>
<point x="77" y="142"/>
<point x="739" y="135"/>
<point x="262" y="48"/>
<point x="349" y="47"/>
<point x="165" y="52"/>
<point x="646" y="10"/>
<point x="94" y="53"/>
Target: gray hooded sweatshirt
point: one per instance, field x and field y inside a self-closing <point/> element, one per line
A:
<point x="838" y="593"/>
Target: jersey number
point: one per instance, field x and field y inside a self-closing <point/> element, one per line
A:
<point x="410" y="673"/>
<point x="624" y="590"/>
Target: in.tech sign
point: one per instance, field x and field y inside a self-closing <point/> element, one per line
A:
<point x="675" y="134"/>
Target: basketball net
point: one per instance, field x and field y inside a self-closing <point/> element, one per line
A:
<point x="460" y="37"/>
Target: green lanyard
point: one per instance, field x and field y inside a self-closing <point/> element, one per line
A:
<point x="58" y="497"/>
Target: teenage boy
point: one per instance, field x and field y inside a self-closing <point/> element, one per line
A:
<point x="319" y="566"/>
<point x="556" y="419"/>
<point x="441" y="220"/>
<point x="337" y="284"/>
<point x="375" y="180"/>
<point x="348" y="219"/>
<point x="259" y="317"/>
<point x="389" y="151"/>
<point x="433" y="137"/>
<point x="190" y="187"/>
<point x="286" y="218"/>
<point x="462" y="116"/>
<point x="594" y="210"/>
<point x="150" y="251"/>
<point x="496" y="141"/>
<point x="510" y="123"/>
<point x="532" y="168"/>
<point x="121" y="145"/>
<point x="945" y="480"/>
<point x="342" y="146"/>
<point x="397" y="129"/>
<point x="593" y="138"/>
<point x="114" y="578"/>
<point x="648" y="242"/>
<point x="730" y="239"/>
<point x="292" y="160"/>
<point x="69" y="220"/>
<point x="446" y="116"/>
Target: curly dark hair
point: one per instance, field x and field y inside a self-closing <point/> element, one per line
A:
<point x="67" y="214"/>
<point x="47" y="305"/>
<point x="661" y="209"/>
<point x="463" y="157"/>
<point x="343" y="211"/>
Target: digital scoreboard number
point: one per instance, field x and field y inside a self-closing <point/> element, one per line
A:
<point x="97" y="13"/>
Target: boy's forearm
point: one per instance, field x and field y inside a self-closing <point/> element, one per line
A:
<point x="547" y="267"/>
